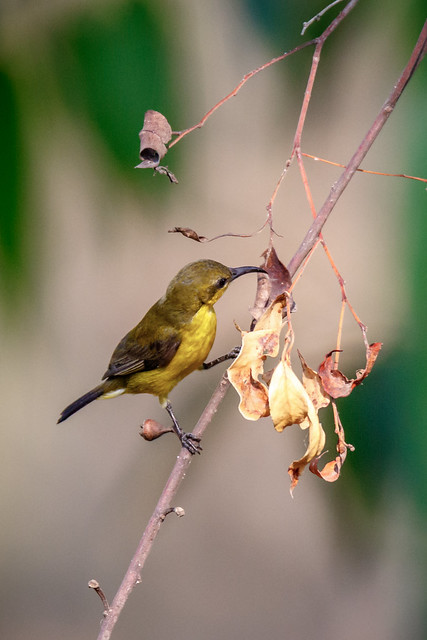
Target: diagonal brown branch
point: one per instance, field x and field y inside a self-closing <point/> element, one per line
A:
<point x="164" y="503"/>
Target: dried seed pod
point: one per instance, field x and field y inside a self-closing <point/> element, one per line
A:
<point x="154" y="135"/>
<point x="151" y="429"/>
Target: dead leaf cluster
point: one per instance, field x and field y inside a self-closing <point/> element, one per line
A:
<point x="288" y="400"/>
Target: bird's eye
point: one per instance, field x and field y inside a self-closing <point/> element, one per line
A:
<point x="221" y="283"/>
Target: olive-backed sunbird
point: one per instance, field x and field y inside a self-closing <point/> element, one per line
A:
<point x="172" y="340"/>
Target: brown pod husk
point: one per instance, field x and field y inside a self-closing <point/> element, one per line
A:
<point x="154" y="136"/>
<point x="151" y="429"/>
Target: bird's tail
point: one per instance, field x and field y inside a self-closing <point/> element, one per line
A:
<point x="78" y="404"/>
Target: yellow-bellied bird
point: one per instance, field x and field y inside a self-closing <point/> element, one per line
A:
<point x="172" y="340"/>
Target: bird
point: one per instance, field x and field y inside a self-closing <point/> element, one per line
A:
<point x="171" y="341"/>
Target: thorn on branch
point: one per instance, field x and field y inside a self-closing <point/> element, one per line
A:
<point x="94" y="584"/>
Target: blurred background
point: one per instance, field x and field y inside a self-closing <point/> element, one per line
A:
<point x="84" y="253"/>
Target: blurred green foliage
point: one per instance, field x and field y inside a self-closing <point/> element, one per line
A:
<point x="12" y="179"/>
<point x="106" y="67"/>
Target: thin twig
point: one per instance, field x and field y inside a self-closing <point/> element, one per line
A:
<point x="237" y="88"/>
<point x="344" y="298"/>
<point x="375" y="173"/>
<point x="317" y="17"/>
<point x="320" y="41"/>
<point x="94" y="584"/>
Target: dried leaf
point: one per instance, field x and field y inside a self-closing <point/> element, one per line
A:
<point x="189" y="233"/>
<point x="278" y="281"/>
<point x="316" y="442"/>
<point x="289" y="401"/>
<point x="193" y="235"/>
<point x="331" y="471"/>
<point x="313" y="385"/>
<point x="291" y="404"/>
<point x="154" y="136"/>
<point x="335" y="383"/>
<point x="279" y="277"/>
<point x="246" y="369"/>
<point x="271" y="320"/>
<point x="244" y="372"/>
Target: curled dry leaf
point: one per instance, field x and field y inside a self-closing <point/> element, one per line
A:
<point x="335" y="383"/>
<point x="193" y="235"/>
<point x="331" y="471"/>
<point x="279" y="277"/>
<point x="278" y="281"/>
<point x="154" y="136"/>
<point x="291" y="404"/>
<point x="246" y="369"/>
<point x="312" y="383"/>
<point x="189" y="233"/>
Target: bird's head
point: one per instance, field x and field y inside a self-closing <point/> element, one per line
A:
<point x="204" y="281"/>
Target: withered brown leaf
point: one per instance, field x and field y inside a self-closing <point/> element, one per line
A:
<point x="290" y="404"/>
<point x="331" y="471"/>
<point x="279" y="280"/>
<point x="335" y="383"/>
<point x="246" y="369"/>
<point x="313" y="385"/>
<point x="189" y="233"/>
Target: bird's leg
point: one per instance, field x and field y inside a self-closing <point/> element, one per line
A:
<point x="228" y="356"/>
<point x="190" y="442"/>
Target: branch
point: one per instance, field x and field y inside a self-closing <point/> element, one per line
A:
<point x="237" y="88"/>
<point x="318" y="41"/>
<point x="317" y="17"/>
<point x="164" y="505"/>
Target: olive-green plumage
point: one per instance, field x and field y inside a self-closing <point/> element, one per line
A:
<point x="172" y="339"/>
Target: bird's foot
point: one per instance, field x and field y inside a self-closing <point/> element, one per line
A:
<point x="232" y="355"/>
<point x="190" y="442"/>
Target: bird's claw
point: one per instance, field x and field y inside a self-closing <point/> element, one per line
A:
<point x="191" y="443"/>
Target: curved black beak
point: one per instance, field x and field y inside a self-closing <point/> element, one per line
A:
<point x="236" y="272"/>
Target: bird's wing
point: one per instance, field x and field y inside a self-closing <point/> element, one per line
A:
<point x="130" y="356"/>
